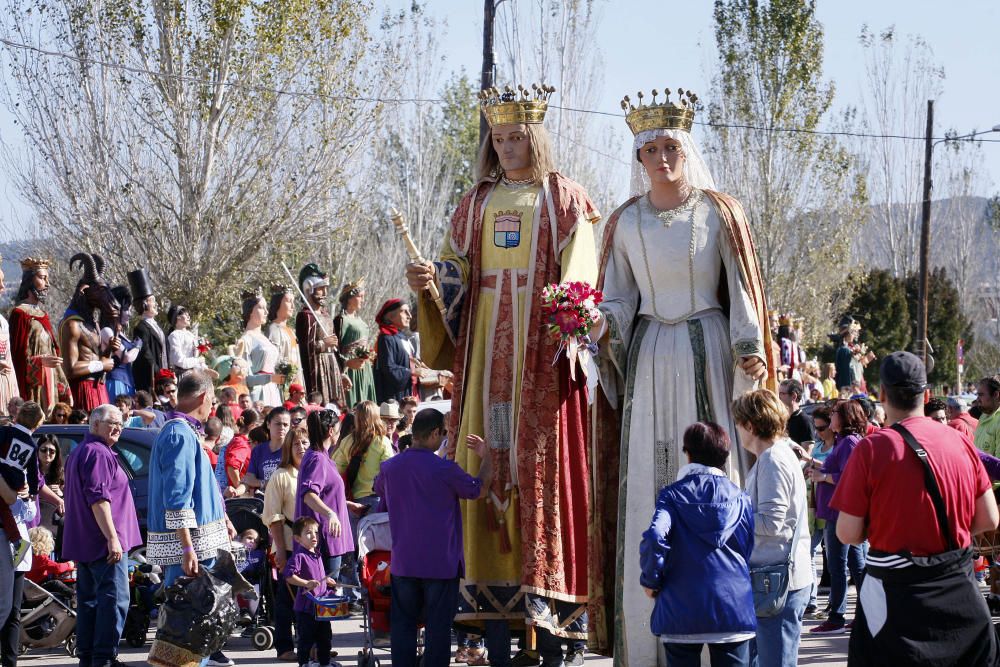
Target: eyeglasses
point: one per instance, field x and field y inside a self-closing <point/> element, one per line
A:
<point x="113" y="424"/>
<point x="47" y="450"/>
<point x="297" y="420"/>
<point x="822" y="428"/>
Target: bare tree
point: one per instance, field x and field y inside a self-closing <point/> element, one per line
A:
<point x="562" y="51"/>
<point x="901" y="76"/>
<point x="415" y="159"/>
<point x="199" y="139"/>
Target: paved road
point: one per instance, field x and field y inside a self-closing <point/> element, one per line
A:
<point x="826" y="651"/>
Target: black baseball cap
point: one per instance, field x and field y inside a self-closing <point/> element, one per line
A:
<point x="903" y="370"/>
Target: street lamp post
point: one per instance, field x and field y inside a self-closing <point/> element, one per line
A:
<point x="925" y="228"/>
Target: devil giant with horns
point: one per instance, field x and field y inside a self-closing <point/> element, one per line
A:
<point x="84" y="360"/>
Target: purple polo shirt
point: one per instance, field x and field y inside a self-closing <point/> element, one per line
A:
<point x="263" y="462"/>
<point x="422" y="492"/>
<point x="308" y="565"/>
<point x="318" y="473"/>
<point x="92" y="474"/>
<point x="834" y="464"/>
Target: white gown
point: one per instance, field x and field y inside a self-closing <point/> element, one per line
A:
<point x="671" y="361"/>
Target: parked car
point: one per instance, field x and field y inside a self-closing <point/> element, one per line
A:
<point x="133" y="449"/>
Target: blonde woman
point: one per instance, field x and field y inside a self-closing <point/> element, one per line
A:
<point x="829" y="382"/>
<point x="359" y="457"/>
<point x="777" y="492"/>
<point x="279" y="512"/>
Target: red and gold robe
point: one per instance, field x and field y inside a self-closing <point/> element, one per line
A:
<point x="526" y="544"/>
<point x="31" y="337"/>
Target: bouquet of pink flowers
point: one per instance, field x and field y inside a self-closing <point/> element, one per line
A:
<point x="572" y="311"/>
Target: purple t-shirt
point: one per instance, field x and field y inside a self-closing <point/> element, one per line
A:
<point x="92" y="474"/>
<point x="834" y="465"/>
<point x="318" y="473"/>
<point x="422" y="492"/>
<point x="263" y="462"/>
<point x="307" y="565"/>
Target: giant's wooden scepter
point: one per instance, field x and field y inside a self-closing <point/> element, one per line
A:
<point x="411" y="250"/>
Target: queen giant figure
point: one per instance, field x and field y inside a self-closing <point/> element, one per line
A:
<point x="685" y="329"/>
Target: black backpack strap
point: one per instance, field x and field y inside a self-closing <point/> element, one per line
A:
<point x="931" y="482"/>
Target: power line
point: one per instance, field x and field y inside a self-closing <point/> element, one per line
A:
<point x="415" y="100"/>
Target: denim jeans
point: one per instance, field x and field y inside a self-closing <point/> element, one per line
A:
<point x="734" y="654"/>
<point x="815" y="540"/>
<point x="839" y="558"/>
<point x="102" y="599"/>
<point x="11" y="596"/>
<point x="432" y="602"/>
<point x="777" y="640"/>
<point x="349" y="563"/>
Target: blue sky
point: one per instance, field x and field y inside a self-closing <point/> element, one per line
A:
<point x="655" y="43"/>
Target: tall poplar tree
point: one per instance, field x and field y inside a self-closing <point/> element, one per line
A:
<point x="800" y="190"/>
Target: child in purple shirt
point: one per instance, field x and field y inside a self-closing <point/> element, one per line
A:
<point x="305" y="570"/>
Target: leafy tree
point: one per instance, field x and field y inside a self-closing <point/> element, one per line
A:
<point x="801" y="191"/>
<point x="946" y="323"/>
<point x="880" y="305"/>
<point x="201" y="139"/>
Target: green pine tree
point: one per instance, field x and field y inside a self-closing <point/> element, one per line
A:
<point x="880" y="305"/>
<point x="946" y="323"/>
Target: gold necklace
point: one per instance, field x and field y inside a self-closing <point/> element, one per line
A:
<point x="518" y="181"/>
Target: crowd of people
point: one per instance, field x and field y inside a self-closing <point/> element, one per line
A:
<point x="525" y="510"/>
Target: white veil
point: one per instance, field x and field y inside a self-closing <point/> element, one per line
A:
<point x="695" y="168"/>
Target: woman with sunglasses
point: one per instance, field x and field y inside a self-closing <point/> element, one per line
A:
<point x="815" y="458"/>
<point x="849" y="424"/>
<point x="50" y="464"/>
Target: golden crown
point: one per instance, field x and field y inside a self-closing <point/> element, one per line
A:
<point x="785" y="320"/>
<point x="34" y="263"/>
<point x="669" y="115"/>
<point x="513" y="107"/>
<point x="257" y="293"/>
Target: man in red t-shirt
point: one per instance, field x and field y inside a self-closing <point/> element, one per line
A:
<point x="919" y="604"/>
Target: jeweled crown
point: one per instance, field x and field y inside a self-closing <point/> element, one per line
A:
<point x="34" y="263"/>
<point x="277" y="288"/>
<point x="513" y="107"/>
<point x="258" y="293"/>
<point x="667" y="115"/>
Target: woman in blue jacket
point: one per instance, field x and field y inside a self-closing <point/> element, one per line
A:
<point x="694" y="558"/>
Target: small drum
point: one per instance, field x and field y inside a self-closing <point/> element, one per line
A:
<point x="331" y="607"/>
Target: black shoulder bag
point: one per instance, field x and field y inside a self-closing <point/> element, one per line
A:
<point x="930" y="481"/>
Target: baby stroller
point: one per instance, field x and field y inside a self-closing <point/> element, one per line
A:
<point x="248" y="513"/>
<point x="143" y="582"/>
<point x="374" y="555"/>
<point x="47" y="616"/>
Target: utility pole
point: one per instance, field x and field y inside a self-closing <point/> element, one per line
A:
<point x="925" y="238"/>
<point x="489" y="59"/>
